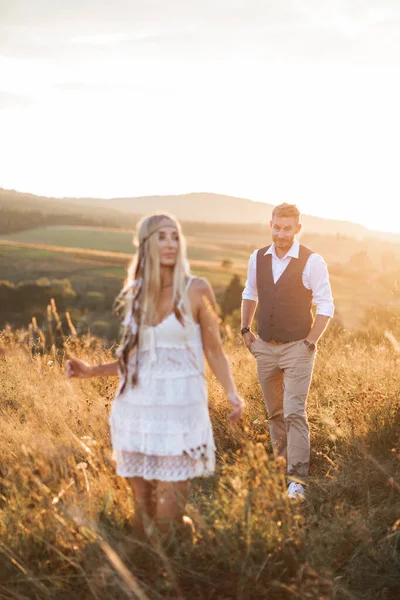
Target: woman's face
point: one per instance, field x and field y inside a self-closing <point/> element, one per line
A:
<point x="168" y="240"/>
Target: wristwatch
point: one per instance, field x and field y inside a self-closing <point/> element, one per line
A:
<point x="310" y="345"/>
<point x="245" y="330"/>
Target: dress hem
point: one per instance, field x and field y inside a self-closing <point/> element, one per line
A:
<point x="142" y="476"/>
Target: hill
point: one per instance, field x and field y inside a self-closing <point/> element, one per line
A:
<point x="91" y="245"/>
<point x="217" y="208"/>
<point x="200" y="207"/>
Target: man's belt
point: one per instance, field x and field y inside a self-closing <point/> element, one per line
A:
<point x="275" y="343"/>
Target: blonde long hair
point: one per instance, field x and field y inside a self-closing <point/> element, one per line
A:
<point x="137" y="301"/>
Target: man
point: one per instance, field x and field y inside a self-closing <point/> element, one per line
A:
<point x="285" y="279"/>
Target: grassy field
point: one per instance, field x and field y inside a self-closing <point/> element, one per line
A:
<point x="364" y="274"/>
<point x="71" y="258"/>
<point x="356" y="288"/>
<point x="207" y="248"/>
<point x="209" y="242"/>
<point x="65" y="518"/>
<point x="95" y="275"/>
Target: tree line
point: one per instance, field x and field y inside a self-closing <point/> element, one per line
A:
<point x="15" y="220"/>
<point x="26" y="299"/>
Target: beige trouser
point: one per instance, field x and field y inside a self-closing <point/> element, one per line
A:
<point x="284" y="372"/>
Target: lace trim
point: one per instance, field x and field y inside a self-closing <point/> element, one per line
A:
<point x="163" y="468"/>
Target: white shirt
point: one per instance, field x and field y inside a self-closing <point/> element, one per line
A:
<point x="315" y="277"/>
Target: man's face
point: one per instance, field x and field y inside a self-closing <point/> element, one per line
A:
<point x="283" y="231"/>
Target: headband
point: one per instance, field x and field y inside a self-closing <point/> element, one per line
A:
<point x="153" y="232"/>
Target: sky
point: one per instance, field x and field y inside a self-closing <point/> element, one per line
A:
<point x="272" y="100"/>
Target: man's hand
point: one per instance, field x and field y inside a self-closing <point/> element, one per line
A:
<point x="248" y="339"/>
<point x="78" y="368"/>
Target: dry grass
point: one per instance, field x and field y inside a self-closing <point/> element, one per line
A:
<point x="65" y="518"/>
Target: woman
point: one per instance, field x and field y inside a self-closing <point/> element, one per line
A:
<point x="160" y="426"/>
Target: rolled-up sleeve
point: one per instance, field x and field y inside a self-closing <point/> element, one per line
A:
<point x="250" y="289"/>
<point x="318" y="280"/>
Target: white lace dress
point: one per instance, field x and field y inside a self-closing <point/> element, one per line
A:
<point x="161" y="428"/>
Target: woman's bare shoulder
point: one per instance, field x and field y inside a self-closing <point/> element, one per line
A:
<point x="201" y="294"/>
<point x="200" y="285"/>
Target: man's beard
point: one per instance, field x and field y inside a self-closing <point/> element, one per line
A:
<point x="287" y="243"/>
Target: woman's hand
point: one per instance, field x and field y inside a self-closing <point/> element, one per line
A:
<point x="78" y="368"/>
<point x="237" y="404"/>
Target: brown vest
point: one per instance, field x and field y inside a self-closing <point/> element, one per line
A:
<point x="284" y="307"/>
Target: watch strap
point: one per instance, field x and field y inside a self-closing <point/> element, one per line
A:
<point x="310" y="345"/>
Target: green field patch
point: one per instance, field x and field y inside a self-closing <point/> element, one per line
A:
<point x="32" y="253"/>
<point x="111" y="240"/>
<point x="88" y="238"/>
<point x="217" y="256"/>
<point x="109" y="272"/>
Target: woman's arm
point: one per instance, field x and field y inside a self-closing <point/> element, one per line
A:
<point x="78" y="368"/>
<point x="208" y="319"/>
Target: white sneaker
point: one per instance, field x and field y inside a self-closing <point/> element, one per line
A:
<point x="296" y="490"/>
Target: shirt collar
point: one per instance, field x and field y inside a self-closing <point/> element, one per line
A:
<point x="292" y="253"/>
